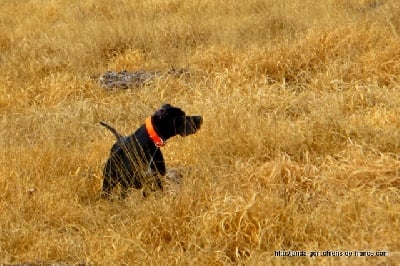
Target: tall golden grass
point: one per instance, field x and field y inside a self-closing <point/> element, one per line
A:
<point x="298" y="150"/>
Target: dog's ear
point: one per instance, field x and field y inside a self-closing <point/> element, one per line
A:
<point x="162" y="112"/>
<point x="166" y="106"/>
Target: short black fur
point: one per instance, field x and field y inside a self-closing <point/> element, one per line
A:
<point x="135" y="161"/>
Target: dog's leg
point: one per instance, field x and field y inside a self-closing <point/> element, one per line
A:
<point x="108" y="180"/>
<point x="158" y="165"/>
<point x="108" y="186"/>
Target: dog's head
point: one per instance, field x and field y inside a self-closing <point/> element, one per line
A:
<point x="170" y="121"/>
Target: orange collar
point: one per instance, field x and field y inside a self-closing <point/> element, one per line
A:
<point x="158" y="141"/>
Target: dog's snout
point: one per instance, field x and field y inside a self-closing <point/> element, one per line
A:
<point x="193" y="123"/>
<point x="197" y="121"/>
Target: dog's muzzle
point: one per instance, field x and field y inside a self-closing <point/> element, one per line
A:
<point x="192" y="124"/>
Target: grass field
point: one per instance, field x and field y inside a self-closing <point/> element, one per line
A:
<point x="299" y="149"/>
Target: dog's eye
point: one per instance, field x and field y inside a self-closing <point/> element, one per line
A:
<point x="179" y="119"/>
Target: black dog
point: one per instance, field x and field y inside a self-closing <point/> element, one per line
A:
<point x="136" y="160"/>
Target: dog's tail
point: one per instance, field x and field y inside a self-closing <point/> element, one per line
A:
<point x="113" y="130"/>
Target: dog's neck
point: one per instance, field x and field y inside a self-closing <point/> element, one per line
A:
<point x="158" y="141"/>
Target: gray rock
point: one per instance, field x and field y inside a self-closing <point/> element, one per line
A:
<point x="126" y="80"/>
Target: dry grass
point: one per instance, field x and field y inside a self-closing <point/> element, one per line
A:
<point x="298" y="151"/>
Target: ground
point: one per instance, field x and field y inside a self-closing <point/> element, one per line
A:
<point x="298" y="153"/>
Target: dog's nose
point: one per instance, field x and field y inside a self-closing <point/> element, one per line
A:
<point x="193" y="123"/>
<point x="198" y="121"/>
